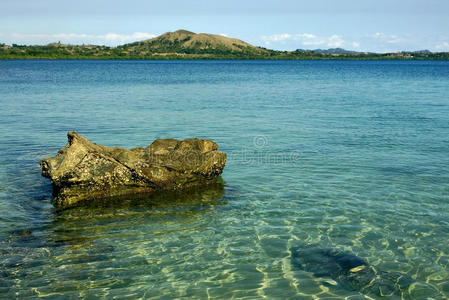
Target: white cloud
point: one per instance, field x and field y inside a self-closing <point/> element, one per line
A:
<point x="66" y="36"/>
<point x="307" y="35"/>
<point x="287" y="36"/>
<point x="395" y="40"/>
<point x="335" y="41"/>
<point x="378" y="35"/>
<point x="315" y="42"/>
<point x="355" y="44"/>
<point x="63" y="36"/>
<point x="387" y="38"/>
<point x="442" y="47"/>
<point x="276" y="37"/>
<point x="308" y="39"/>
<point x="127" y="38"/>
<point x="110" y="38"/>
<point x="143" y="35"/>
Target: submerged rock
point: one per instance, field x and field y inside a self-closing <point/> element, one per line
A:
<point x="83" y="170"/>
<point x="353" y="273"/>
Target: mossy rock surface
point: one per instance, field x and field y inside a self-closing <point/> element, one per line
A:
<point x="83" y="170"/>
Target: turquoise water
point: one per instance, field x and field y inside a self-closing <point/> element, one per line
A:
<point x="351" y="155"/>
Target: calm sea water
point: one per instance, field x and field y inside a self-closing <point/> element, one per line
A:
<point x="352" y="155"/>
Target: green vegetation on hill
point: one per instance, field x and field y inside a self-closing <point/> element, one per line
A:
<point x="184" y="44"/>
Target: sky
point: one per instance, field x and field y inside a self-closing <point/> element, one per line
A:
<point x="363" y="25"/>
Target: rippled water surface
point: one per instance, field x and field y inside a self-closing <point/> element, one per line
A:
<point x="348" y="155"/>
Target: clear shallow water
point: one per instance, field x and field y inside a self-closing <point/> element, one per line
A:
<point x="345" y="154"/>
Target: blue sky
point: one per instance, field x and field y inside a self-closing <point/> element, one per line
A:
<point x="364" y="25"/>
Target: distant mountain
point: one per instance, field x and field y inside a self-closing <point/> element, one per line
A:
<point x="334" y="51"/>
<point x="422" y="52"/>
<point x="331" y="51"/>
<point x="183" y="42"/>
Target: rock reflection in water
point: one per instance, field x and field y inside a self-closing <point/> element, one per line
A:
<point x="101" y="236"/>
<point x="125" y="214"/>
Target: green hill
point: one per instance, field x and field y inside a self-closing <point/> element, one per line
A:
<point x="186" y="43"/>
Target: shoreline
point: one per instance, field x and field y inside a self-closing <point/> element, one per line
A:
<point x="227" y="58"/>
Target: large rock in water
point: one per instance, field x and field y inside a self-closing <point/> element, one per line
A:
<point x="83" y="170"/>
